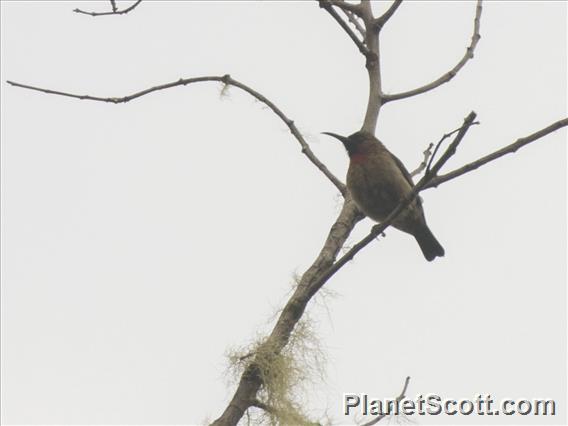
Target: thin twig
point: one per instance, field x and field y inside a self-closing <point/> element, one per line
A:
<point x="427" y="153"/>
<point x="360" y="45"/>
<point x="379" y="22"/>
<point x="442" y="139"/>
<point x="450" y="74"/>
<point x="114" y="11"/>
<point x="226" y="79"/>
<point x="519" y="143"/>
<point x="398" y="399"/>
<point x="349" y="7"/>
<point x="113" y="5"/>
<point x="355" y="21"/>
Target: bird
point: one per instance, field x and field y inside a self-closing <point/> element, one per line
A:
<point x="378" y="181"/>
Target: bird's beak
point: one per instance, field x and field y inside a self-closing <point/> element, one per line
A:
<point x="336" y="136"/>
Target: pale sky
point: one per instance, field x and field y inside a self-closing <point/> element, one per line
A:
<point x="141" y="242"/>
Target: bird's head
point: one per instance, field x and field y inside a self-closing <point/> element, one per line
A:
<point x="356" y="144"/>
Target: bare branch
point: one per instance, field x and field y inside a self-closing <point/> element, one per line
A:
<point x="329" y="8"/>
<point x="427" y="153"/>
<point x="292" y="312"/>
<point x="114" y="11"/>
<point x="352" y="11"/>
<point x="373" y="65"/>
<point x="347" y="7"/>
<point x="382" y="20"/>
<point x="354" y="20"/>
<point x="225" y="79"/>
<point x="519" y="143"/>
<point x="398" y="399"/>
<point x="442" y="139"/>
<point x="450" y="74"/>
<point x="369" y="47"/>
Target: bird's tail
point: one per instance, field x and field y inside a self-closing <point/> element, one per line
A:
<point x="429" y="245"/>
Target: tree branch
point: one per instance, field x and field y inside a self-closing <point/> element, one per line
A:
<point x="353" y="19"/>
<point x="450" y="74"/>
<point x="348" y="7"/>
<point x="369" y="47"/>
<point x="399" y="398"/>
<point x="427" y="153"/>
<point x="114" y="11"/>
<point x="373" y="65"/>
<point x="225" y="79"/>
<point x="325" y="4"/>
<point x="442" y="139"/>
<point x="519" y="143"/>
<point x="382" y="20"/>
<point x="250" y="381"/>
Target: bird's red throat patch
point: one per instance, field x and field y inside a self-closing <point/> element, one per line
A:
<point x="358" y="157"/>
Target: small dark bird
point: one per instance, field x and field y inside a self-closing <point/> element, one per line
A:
<point x="378" y="181"/>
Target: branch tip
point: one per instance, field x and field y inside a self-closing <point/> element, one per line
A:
<point x="519" y="143"/>
<point x="114" y="10"/>
<point x="450" y="74"/>
<point x="228" y="81"/>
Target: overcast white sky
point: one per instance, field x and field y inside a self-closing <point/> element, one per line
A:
<point x="141" y="241"/>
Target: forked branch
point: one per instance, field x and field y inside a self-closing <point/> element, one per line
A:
<point x="225" y="79"/>
<point x="379" y="22"/>
<point x="519" y="143"/>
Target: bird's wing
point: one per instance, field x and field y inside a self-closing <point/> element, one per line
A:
<point x="406" y="175"/>
<point x="402" y="169"/>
